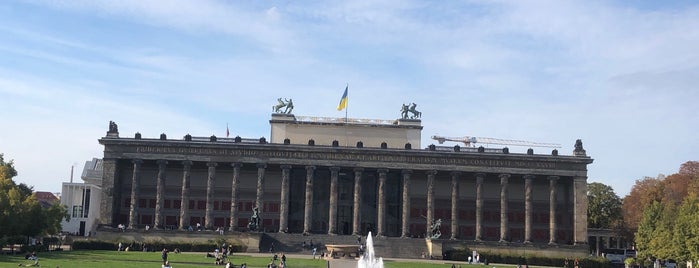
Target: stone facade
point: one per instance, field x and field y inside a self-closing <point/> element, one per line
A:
<point x="345" y="190"/>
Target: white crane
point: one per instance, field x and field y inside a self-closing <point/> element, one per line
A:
<point x="471" y="141"/>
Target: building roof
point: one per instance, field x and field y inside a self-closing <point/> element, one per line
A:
<point x="46" y="198"/>
<point x="92" y="172"/>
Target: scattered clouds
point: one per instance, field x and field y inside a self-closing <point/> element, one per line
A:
<point x="621" y="77"/>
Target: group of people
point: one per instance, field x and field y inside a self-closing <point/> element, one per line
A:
<point x="275" y="258"/>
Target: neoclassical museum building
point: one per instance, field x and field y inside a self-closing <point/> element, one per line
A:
<point x="345" y="177"/>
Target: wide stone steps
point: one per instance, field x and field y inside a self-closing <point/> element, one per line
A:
<point x="386" y="247"/>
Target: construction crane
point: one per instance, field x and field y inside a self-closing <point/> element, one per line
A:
<point x="471" y="141"/>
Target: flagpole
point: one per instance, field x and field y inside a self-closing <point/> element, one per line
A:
<point x="346" y="108"/>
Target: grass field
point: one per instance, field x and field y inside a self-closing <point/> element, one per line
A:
<point x="109" y="259"/>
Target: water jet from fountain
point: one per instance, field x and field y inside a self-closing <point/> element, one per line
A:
<point x="369" y="260"/>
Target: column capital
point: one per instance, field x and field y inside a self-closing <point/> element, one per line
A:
<point x="161" y="162"/>
<point x="480" y="177"/>
<point x="211" y="164"/>
<point x="406" y="171"/>
<point x="137" y="161"/>
<point x="455" y="173"/>
<point x="285" y="167"/>
<point x="382" y="171"/>
<point x="236" y="165"/>
<point x="529" y="177"/>
<point x="360" y="170"/>
<point x="504" y="176"/>
<point x="187" y="163"/>
<point x="335" y="169"/>
<point x="553" y="178"/>
<point x="261" y="165"/>
<point x="310" y="168"/>
<point x="431" y="172"/>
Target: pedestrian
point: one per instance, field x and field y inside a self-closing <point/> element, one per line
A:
<point x="314" y="253"/>
<point x="164" y="255"/>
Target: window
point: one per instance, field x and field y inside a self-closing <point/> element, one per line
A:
<point x="77" y="211"/>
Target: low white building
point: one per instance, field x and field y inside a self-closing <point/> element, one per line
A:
<point x="83" y="200"/>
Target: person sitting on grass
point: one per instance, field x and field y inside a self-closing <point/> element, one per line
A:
<point x="36" y="263"/>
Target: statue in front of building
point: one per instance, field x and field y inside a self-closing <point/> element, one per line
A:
<point x="434" y="232"/>
<point x="254" y="223"/>
<point x="287" y="104"/>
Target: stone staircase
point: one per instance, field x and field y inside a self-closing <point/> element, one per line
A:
<point x="386" y="247"/>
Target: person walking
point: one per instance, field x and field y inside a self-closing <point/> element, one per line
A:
<point x="164" y="256"/>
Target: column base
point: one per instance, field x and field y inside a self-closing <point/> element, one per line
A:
<point x="527" y="242"/>
<point x="552" y="243"/>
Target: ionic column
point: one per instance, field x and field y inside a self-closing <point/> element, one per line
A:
<point x="381" y="210"/>
<point x="184" y="203"/>
<point x="356" y="208"/>
<point x="405" y="216"/>
<point x="553" y="180"/>
<point x="308" y="207"/>
<point x="504" y="224"/>
<point x="160" y="192"/>
<point x="284" y="202"/>
<point x="210" y="183"/>
<point x="260" y="185"/>
<point x="454" y="204"/>
<point x="430" y="200"/>
<point x="332" y="214"/>
<point x="580" y="210"/>
<point x="528" y="209"/>
<point x="234" y="196"/>
<point x="133" y="214"/>
<point x="479" y="206"/>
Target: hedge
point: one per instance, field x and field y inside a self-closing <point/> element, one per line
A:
<point x="488" y="257"/>
<point x="151" y="246"/>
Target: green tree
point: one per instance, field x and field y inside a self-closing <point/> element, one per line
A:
<point x="646" y="228"/>
<point x="603" y="206"/>
<point x="662" y="234"/>
<point x="686" y="232"/>
<point x="20" y="212"/>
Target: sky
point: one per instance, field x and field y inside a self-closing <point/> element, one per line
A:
<point x="620" y="75"/>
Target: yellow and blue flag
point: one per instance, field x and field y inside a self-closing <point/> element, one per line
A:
<point x="343" y="101"/>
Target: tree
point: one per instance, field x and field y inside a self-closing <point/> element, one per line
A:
<point x="690" y="168"/>
<point x="646" y="227"/>
<point x="20" y="212"/>
<point x="603" y="206"/>
<point x="686" y="232"/>
<point x="643" y="193"/>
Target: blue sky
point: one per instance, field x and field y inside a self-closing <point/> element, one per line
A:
<point x="623" y="78"/>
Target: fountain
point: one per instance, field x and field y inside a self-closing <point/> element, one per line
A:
<point x="368" y="260"/>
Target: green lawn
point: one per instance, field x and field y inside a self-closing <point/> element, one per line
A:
<point x="108" y="259"/>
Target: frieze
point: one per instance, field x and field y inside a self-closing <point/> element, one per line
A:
<point x="347" y="156"/>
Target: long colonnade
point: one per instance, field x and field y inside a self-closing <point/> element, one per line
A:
<point x="406" y="176"/>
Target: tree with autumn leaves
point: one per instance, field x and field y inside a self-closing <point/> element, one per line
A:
<point x="21" y="214"/>
<point x="664" y="212"/>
